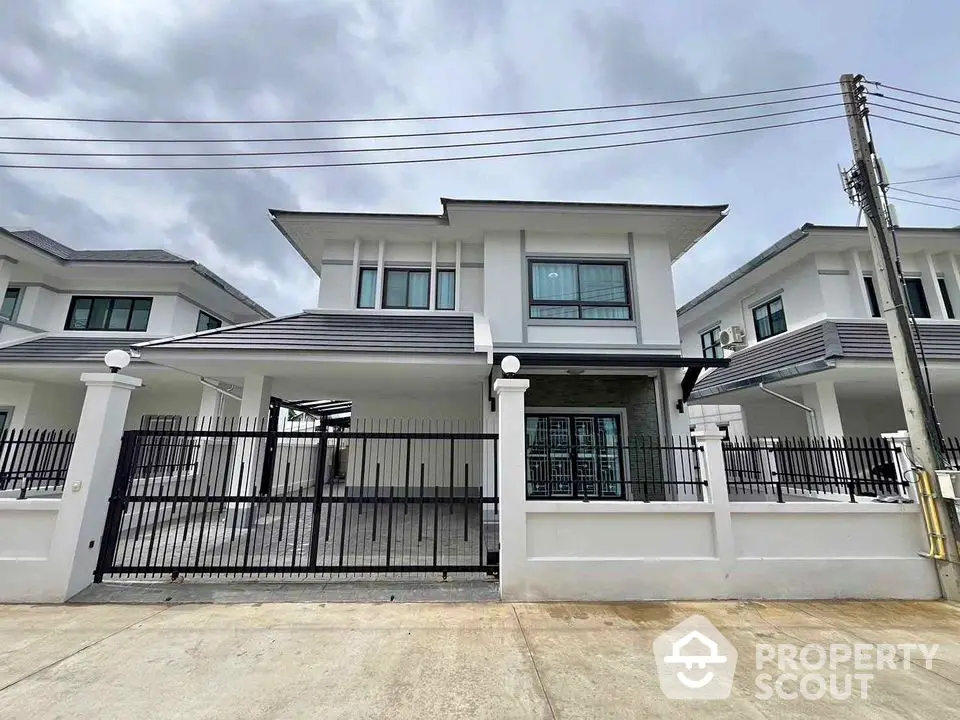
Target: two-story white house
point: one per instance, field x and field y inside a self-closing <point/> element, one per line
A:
<point x="63" y="309"/>
<point x="802" y="320"/>
<point x="415" y="312"/>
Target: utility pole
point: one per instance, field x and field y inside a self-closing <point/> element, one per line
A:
<point x="863" y="185"/>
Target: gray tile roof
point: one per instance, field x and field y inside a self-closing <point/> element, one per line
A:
<point x="66" y="348"/>
<point x="67" y="254"/>
<point x="817" y="347"/>
<point x="338" y="332"/>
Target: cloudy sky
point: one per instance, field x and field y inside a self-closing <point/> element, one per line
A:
<point x="282" y="59"/>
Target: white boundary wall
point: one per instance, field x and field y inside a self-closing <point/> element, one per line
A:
<point x="28" y="573"/>
<point x="601" y="550"/>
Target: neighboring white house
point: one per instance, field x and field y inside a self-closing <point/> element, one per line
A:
<point x="415" y="311"/>
<point x="63" y="309"/>
<point x="802" y="319"/>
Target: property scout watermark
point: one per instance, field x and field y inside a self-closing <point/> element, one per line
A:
<point x="696" y="662"/>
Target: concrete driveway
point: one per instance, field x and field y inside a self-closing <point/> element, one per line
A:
<point x="442" y="660"/>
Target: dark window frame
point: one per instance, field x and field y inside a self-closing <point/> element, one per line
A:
<point x="947" y="304"/>
<point x="436" y="298"/>
<point x="580" y="303"/>
<point x="756" y="321"/>
<point x="872" y="300"/>
<point x="407" y="305"/>
<point x="713" y="334"/>
<point x="16" y="302"/>
<point x="200" y="317"/>
<point x="113" y="299"/>
<point x="924" y="308"/>
<point x="577" y="485"/>
<point x="360" y="288"/>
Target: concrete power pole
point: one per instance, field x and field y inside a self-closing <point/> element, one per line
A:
<point x="864" y="186"/>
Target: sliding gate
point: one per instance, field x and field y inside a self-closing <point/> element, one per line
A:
<point x="234" y="499"/>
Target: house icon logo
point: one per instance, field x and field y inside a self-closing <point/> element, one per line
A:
<point x="695" y="661"/>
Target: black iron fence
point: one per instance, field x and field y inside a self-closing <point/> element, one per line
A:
<point x="254" y="500"/>
<point x="798" y="469"/>
<point x="646" y="469"/>
<point x="34" y="461"/>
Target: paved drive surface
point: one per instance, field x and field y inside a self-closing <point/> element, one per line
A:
<point x="418" y="660"/>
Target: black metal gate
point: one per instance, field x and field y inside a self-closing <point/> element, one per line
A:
<point x="244" y="499"/>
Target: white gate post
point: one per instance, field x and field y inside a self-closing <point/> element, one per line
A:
<point x="512" y="471"/>
<point x="710" y="439"/>
<point x="83" y="511"/>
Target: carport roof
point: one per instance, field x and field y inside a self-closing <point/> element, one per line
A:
<point x="312" y="331"/>
<point x="65" y="348"/>
<point x="817" y="347"/>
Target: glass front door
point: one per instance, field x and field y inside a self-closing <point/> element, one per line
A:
<point x="574" y="456"/>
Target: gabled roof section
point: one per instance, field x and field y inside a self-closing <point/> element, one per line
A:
<point x="66" y="255"/>
<point x="66" y="348"/>
<point x="313" y="331"/>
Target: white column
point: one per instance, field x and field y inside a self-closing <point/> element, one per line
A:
<point x="83" y="510"/>
<point x="714" y="468"/>
<point x="433" y="276"/>
<point x="255" y="399"/>
<point x="931" y="288"/>
<point x="210" y="404"/>
<point x="248" y="453"/>
<point x="951" y="277"/>
<point x="378" y="301"/>
<point x="457" y="276"/>
<point x="354" y="275"/>
<point x="512" y="472"/>
<point x="822" y="397"/>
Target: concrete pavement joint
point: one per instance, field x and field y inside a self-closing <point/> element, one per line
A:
<point x="81" y="649"/>
<point x="533" y="660"/>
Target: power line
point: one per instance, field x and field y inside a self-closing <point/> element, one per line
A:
<point x="922" y="180"/>
<point x="432" y="133"/>
<point x="396" y="148"/>
<point x="468" y="116"/>
<point x="411" y="161"/>
<point x="913" y="92"/>
<point x="918" y="125"/>
<point x="932" y="197"/>
<point x="915" y="113"/>
<point x="914" y="104"/>
<point x="917" y="202"/>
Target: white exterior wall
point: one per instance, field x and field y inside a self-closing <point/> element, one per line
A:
<point x="54" y="406"/>
<point x="503" y="281"/>
<point x="27" y="570"/>
<point x="652" y="285"/>
<point x="181" y="400"/>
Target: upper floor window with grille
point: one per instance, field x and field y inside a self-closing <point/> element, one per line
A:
<point x="710" y="342"/>
<point x="406" y="289"/>
<point x="579" y="290"/>
<point x="206" y="321"/>
<point x="768" y="319"/>
<point x="8" y="309"/>
<point x="109" y="313"/>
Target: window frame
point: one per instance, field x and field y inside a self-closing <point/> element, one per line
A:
<point x="579" y="303"/>
<point x="916" y="282"/>
<point x="200" y="317"/>
<point x="436" y="298"/>
<point x="360" y="288"/>
<point x="407" y="306"/>
<point x="947" y="303"/>
<point x="714" y="346"/>
<point x="766" y="304"/>
<point x="16" y="302"/>
<point x="113" y="299"/>
<point x="872" y="300"/>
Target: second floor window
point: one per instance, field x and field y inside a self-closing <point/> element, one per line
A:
<point x="871" y="296"/>
<point x="206" y="321"/>
<point x="446" y="289"/>
<point x="406" y="289"/>
<point x="769" y="320"/>
<point x="947" y="305"/>
<point x="367" y="292"/>
<point x="8" y="309"/>
<point x="109" y="313"/>
<point x="916" y="297"/>
<point x="579" y="291"/>
<point x="710" y="342"/>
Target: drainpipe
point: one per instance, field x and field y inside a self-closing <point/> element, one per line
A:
<point x="811" y="413"/>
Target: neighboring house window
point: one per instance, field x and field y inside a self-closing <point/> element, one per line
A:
<point x="916" y="297"/>
<point x="8" y="309"/>
<point x="446" y="289"/>
<point x="710" y="342"/>
<point x="947" y="305"/>
<point x="206" y="321"/>
<point x="571" y="456"/>
<point x="579" y="291"/>
<point x="871" y="296"/>
<point x="406" y="289"/>
<point x="769" y="320"/>
<point x="109" y="313"/>
<point x="367" y="292"/>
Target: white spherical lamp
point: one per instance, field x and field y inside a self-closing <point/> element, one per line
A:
<point x="116" y="360"/>
<point x="510" y="365"/>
